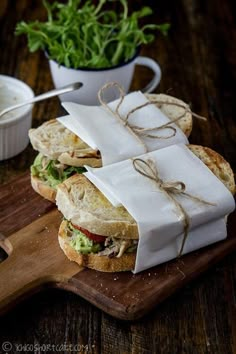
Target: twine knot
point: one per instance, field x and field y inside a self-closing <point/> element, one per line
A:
<point x="137" y="131"/>
<point x="148" y="169"/>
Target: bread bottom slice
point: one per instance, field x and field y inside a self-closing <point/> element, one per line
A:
<point x="101" y="263"/>
<point x="43" y="188"/>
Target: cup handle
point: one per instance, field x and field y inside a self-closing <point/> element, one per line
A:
<point x="154" y="66"/>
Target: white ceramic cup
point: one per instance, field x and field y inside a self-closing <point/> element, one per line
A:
<point x="14" y="126"/>
<point x="94" y="79"/>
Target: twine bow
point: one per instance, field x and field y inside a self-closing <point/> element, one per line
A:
<point x="136" y="131"/>
<point x="148" y="169"/>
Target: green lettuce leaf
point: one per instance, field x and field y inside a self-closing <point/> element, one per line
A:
<point x="50" y="173"/>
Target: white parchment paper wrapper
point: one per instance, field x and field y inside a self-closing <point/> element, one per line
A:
<point x="159" y="222"/>
<point x="101" y="130"/>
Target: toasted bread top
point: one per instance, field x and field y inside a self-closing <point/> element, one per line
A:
<point x="84" y="205"/>
<point x="57" y="142"/>
<point x="217" y="164"/>
<point x="172" y="111"/>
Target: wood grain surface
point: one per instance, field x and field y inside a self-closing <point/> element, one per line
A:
<point x="198" y="62"/>
<point x="35" y="261"/>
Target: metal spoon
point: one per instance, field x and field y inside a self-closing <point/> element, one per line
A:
<point x="44" y="96"/>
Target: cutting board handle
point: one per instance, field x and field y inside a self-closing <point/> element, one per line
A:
<point x="35" y="259"/>
<point x="18" y="278"/>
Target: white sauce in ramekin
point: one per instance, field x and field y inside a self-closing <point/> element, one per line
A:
<point x="14" y="125"/>
<point x="13" y="91"/>
<point x="9" y="97"/>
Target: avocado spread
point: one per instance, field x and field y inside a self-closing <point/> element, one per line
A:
<point x="83" y="244"/>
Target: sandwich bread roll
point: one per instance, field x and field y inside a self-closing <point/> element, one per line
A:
<point x="62" y="153"/>
<point x="97" y="235"/>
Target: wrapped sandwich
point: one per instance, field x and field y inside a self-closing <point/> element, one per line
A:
<point x="131" y="125"/>
<point x="62" y="153"/>
<point x="98" y="235"/>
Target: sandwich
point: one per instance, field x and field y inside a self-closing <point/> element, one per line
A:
<point x="61" y="154"/>
<point x="97" y="235"/>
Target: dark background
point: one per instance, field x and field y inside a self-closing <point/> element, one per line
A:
<point x="198" y="61"/>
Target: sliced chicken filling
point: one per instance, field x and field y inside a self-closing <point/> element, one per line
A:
<point x="116" y="247"/>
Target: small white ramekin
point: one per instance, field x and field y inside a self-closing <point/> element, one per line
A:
<point x="15" y="125"/>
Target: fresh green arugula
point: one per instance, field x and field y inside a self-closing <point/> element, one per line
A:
<point x="80" y="34"/>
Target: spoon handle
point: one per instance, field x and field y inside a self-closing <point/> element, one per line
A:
<point x="44" y="96"/>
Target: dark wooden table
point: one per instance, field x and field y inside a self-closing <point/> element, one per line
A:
<point x="198" y="62"/>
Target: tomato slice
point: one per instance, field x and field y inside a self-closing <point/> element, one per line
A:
<point x="94" y="237"/>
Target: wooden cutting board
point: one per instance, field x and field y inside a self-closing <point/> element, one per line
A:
<point x="36" y="261"/>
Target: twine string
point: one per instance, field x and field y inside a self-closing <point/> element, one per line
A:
<point x="148" y="169"/>
<point x="116" y="112"/>
<point x="135" y="130"/>
<point x="142" y="131"/>
<point x="185" y="107"/>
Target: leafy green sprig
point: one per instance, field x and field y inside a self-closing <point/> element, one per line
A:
<point x="84" y="35"/>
